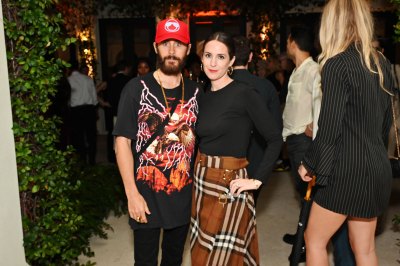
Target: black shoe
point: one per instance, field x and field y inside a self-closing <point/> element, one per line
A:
<point x="289" y="238"/>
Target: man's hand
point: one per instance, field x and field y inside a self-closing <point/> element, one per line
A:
<point x="309" y="130"/>
<point x="137" y="208"/>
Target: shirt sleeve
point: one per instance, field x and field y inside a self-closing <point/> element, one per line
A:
<point x="266" y="125"/>
<point x="316" y="100"/>
<point x="319" y="159"/>
<point x="126" y="124"/>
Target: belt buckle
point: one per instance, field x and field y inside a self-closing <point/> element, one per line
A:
<point x="222" y="199"/>
<point x="227" y="172"/>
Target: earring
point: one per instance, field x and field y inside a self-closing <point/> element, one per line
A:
<point x="230" y="70"/>
<point x="201" y="67"/>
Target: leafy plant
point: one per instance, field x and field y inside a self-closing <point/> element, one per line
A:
<point x="57" y="196"/>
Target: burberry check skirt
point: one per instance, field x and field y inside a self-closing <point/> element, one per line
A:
<point x="223" y="226"/>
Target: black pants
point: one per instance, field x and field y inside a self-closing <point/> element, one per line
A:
<point x="297" y="146"/>
<point x="342" y="253"/>
<point x="84" y="131"/>
<point x="146" y="245"/>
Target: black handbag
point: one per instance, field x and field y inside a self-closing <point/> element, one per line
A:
<point x="395" y="161"/>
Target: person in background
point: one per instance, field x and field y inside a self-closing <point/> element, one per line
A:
<point x="303" y="101"/>
<point x="111" y="96"/>
<point x="193" y="69"/>
<point x="155" y="145"/>
<point x="143" y="67"/>
<point x="60" y="107"/>
<point x="223" y="223"/>
<point x="267" y="92"/>
<point x="349" y="155"/>
<point x="302" y="105"/>
<point x="83" y="104"/>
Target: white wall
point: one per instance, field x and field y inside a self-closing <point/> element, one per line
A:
<point x="11" y="239"/>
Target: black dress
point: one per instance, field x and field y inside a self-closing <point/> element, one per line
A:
<point x="349" y="155"/>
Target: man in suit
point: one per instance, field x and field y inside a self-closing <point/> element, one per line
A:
<point x="268" y="93"/>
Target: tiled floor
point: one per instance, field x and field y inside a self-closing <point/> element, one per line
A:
<point x="277" y="214"/>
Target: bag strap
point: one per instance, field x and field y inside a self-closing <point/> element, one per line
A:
<point x="395" y="128"/>
<point x="160" y="128"/>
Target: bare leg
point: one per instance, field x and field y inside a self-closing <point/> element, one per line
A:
<point x="322" y="224"/>
<point x="362" y="240"/>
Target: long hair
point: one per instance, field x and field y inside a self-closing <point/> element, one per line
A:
<point x="344" y="22"/>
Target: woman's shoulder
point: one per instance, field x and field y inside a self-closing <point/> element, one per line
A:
<point x="340" y="61"/>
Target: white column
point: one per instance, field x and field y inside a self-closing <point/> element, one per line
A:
<point x="11" y="238"/>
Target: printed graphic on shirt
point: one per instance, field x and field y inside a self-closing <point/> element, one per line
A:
<point x="165" y="164"/>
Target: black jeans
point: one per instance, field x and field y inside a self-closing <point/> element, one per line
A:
<point x="146" y="245"/>
<point x="297" y="146"/>
<point x="84" y="131"/>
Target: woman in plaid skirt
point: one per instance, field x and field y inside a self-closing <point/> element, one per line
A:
<point x="223" y="223"/>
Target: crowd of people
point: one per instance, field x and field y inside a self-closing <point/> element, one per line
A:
<point x="196" y="138"/>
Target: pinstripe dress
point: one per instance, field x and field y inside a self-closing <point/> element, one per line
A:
<point x="349" y="155"/>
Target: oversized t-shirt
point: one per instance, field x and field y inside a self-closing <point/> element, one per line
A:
<point x="163" y="171"/>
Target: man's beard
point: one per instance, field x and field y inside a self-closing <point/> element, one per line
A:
<point x="168" y="69"/>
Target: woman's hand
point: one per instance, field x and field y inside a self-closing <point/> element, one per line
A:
<point x="304" y="173"/>
<point x="239" y="185"/>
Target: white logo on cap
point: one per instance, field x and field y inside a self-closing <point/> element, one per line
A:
<point x="172" y="25"/>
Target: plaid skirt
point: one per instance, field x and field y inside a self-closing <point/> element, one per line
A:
<point x="223" y="226"/>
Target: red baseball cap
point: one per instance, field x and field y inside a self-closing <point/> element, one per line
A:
<point x="172" y="29"/>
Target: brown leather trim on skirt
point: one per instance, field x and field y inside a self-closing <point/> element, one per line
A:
<point x="221" y="162"/>
<point x="223" y="226"/>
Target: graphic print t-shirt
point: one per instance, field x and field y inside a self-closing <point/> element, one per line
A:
<point x="163" y="170"/>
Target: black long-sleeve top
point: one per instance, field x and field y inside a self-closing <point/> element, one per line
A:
<point x="225" y="122"/>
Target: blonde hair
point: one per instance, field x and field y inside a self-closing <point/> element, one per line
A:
<point x="344" y="22"/>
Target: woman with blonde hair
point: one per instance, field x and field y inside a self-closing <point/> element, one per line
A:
<point x="348" y="156"/>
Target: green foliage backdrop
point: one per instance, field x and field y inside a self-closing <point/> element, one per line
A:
<point x="62" y="203"/>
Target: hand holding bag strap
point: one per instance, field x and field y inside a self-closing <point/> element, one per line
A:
<point x="160" y="128"/>
<point x="395" y="128"/>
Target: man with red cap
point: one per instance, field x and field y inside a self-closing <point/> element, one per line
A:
<point x="154" y="146"/>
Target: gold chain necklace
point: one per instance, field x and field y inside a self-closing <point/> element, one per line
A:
<point x="163" y="92"/>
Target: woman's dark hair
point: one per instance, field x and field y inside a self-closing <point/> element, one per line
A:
<point x="225" y="38"/>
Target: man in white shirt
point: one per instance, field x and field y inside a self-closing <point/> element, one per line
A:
<point x="83" y="114"/>
<point x="303" y="101"/>
<point x="302" y="106"/>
